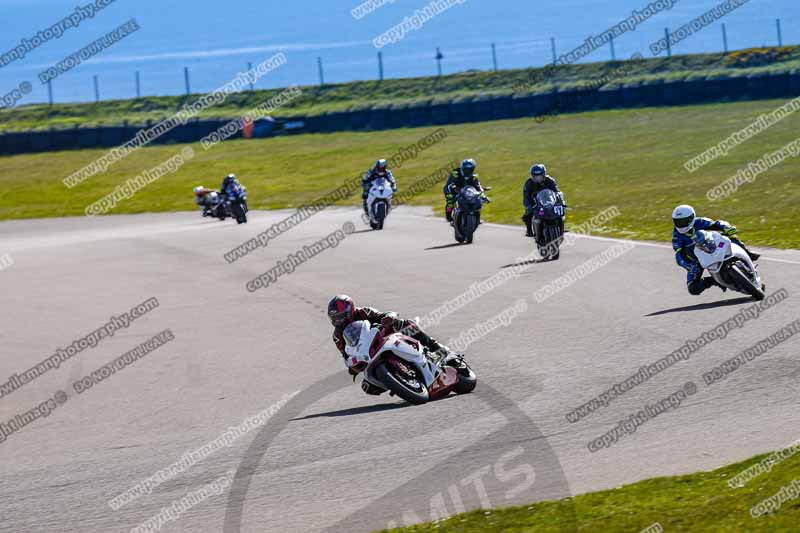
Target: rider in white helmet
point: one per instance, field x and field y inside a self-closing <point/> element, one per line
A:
<point x="686" y="225"/>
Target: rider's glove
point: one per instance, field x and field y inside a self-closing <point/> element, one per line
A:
<point x="390" y="323"/>
<point x="356" y="369"/>
<point x="730" y="231"/>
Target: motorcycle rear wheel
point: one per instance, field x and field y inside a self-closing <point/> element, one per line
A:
<point x="386" y="374"/>
<point x="467" y="380"/>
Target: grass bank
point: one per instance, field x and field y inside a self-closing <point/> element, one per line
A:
<point x="632" y="159"/>
<point x="700" y="502"/>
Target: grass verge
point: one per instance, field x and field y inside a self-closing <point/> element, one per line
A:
<point x="700" y="502"/>
<point x="632" y="159"/>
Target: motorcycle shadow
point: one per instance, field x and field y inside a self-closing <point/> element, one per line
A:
<point x="526" y="263"/>
<point x="365" y="409"/>
<point x="444" y="246"/>
<point x="700" y="307"/>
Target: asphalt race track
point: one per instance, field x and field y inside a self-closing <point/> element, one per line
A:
<point x="332" y="458"/>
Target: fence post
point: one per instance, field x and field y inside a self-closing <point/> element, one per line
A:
<point x="138" y="86"/>
<point x="494" y="56"/>
<point x="96" y="89"/>
<point x="780" y="35"/>
<point x="725" y="37"/>
<point x="186" y="80"/>
<point x="380" y="66"/>
<point x="669" y="44"/>
<point x="321" y="73"/>
<point x="553" y="48"/>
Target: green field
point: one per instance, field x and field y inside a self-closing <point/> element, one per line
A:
<point x="632" y="159"/>
<point x="701" y="502"/>
<point x="367" y="94"/>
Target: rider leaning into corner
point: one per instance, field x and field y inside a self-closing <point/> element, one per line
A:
<point x="687" y="224"/>
<point x="342" y="312"/>
<point x="378" y="170"/>
<point x="538" y="182"/>
<point x="459" y="178"/>
<point x="229" y="184"/>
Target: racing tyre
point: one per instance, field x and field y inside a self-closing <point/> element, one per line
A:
<point x="403" y="385"/>
<point x="744" y="282"/>
<point x="238" y="213"/>
<point x="380" y="215"/>
<point x="466" y="380"/>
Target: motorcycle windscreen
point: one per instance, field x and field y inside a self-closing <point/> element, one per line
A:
<point x="712" y="250"/>
<point x="352" y="333"/>
<point x="469" y="199"/>
<point x="546" y="198"/>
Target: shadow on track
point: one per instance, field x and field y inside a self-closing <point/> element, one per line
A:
<point x="525" y="263"/>
<point x="443" y="246"/>
<point x="700" y="307"/>
<point x="368" y="230"/>
<point x="356" y="411"/>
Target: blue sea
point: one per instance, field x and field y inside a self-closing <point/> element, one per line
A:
<point x="217" y="39"/>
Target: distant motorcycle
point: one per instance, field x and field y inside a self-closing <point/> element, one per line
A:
<point x="236" y="204"/>
<point x="210" y="202"/>
<point x="728" y="263"/>
<point x="379" y="202"/>
<point x="467" y="213"/>
<point x="548" y="223"/>
<point x="401" y="365"/>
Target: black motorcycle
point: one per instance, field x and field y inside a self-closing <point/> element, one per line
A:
<point x="236" y="204"/>
<point x="548" y="223"/>
<point x="467" y="213"/>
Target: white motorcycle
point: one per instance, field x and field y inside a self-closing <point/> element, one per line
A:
<point x="728" y="263"/>
<point x="379" y="202"/>
<point x="401" y="365"/>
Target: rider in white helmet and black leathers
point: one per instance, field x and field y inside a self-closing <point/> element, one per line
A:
<point x="686" y="225"/>
<point x="538" y="181"/>
<point x="379" y="170"/>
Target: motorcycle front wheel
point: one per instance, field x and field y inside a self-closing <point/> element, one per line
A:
<point x="239" y="213"/>
<point x="405" y="386"/>
<point x="744" y="282"/>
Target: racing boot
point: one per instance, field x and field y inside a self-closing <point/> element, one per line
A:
<point x="450" y="358"/>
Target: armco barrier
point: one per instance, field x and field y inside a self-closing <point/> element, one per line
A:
<point x="458" y="111"/>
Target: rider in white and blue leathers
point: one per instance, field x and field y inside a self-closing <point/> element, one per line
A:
<point x="687" y="224"/>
